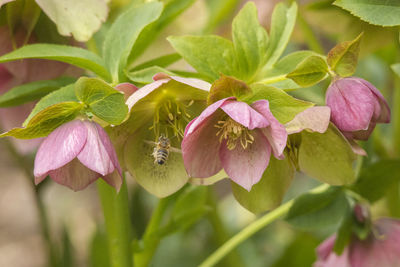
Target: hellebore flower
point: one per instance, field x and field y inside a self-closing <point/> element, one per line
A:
<point x="381" y="248"/>
<point x="76" y="154"/>
<point x="162" y="108"/>
<point x="356" y="107"/>
<point x="235" y="136"/>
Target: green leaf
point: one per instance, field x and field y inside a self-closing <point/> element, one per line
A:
<point x="46" y="121"/>
<point x="210" y="55"/>
<point x="283" y="106"/>
<point x="123" y="34"/>
<point x="171" y="10"/>
<point x="282" y="24"/>
<point x="64" y="94"/>
<point x="310" y="71"/>
<point x="226" y="87"/>
<point x="98" y="253"/>
<point x="73" y="55"/>
<point x="319" y="210"/>
<point x="328" y="157"/>
<point x="343" y="57"/>
<point x="344" y="234"/>
<point x="396" y="69"/>
<point x="76" y="17"/>
<point x="268" y="193"/>
<point x="103" y="100"/>
<point x="376" y="179"/>
<point x="22" y="13"/>
<point x="377" y="12"/>
<point x="163" y="61"/>
<point x="218" y="12"/>
<point x="32" y="91"/>
<point x="146" y="75"/>
<point x="249" y="40"/>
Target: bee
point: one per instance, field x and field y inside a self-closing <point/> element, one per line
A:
<point x="162" y="149"/>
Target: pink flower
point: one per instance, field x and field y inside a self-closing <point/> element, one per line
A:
<point x="76" y="154"/>
<point x="234" y="136"/>
<point x="382" y="248"/>
<point x="356" y="107"/>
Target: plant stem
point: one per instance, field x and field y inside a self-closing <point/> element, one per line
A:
<point x="150" y="241"/>
<point x="118" y="224"/>
<point x="220" y="234"/>
<point x="273" y="79"/>
<point x="253" y="228"/>
<point x="27" y="167"/>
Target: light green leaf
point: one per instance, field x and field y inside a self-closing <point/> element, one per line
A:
<point x="163" y="61"/>
<point x="32" y="91"/>
<point x="81" y="18"/>
<point x="328" y="157"/>
<point x="283" y="106"/>
<point x="146" y="75"/>
<point x="377" y="12"/>
<point x="103" y="100"/>
<point x="64" y="94"/>
<point x="249" y="40"/>
<point x="310" y="71"/>
<point x="396" y="69"/>
<point x="376" y="179"/>
<point x="319" y="210"/>
<point x="282" y="24"/>
<point x="343" y="57"/>
<point x="269" y="191"/>
<point x="218" y="12"/>
<point x="73" y="55"/>
<point x="210" y="55"/>
<point x="123" y="34"/>
<point x="47" y="120"/>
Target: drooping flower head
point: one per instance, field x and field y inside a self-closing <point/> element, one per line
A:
<point x="381" y="248"/>
<point x="235" y="136"/>
<point x="357" y="106"/>
<point x="76" y="154"/>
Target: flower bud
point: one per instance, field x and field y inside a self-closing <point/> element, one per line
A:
<point x="356" y="107"/>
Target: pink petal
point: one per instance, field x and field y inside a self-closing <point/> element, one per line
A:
<point x="114" y="179"/>
<point x="276" y="132"/>
<point x="94" y="154"/>
<point x="382" y="111"/>
<point x="144" y="91"/>
<point x="351" y="103"/>
<point x="314" y="119"/>
<point x="127" y="88"/>
<point x="246" y="166"/>
<point x="60" y="147"/>
<point x="328" y="258"/>
<point x="74" y="175"/>
<point x="244" y="114"/>
<point x="200" y="147"/>
<point x="191" y="127"/>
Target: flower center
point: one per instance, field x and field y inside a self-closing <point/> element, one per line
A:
<point x="171" y="118"/>
<point x="233" y="132"/>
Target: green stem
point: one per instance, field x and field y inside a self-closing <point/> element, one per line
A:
<point x="150" y="241"/>
<point x="27" y="167"/>
<point x="220" y="234"/>
<point x="253" y="228"/>
<point x="273" y="79"/>
<point x="118" y="224"/>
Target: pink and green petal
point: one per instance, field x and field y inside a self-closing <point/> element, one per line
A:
<point x="314" y="119"/>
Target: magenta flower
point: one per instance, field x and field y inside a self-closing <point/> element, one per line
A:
<point x="381" y="248"/>
<point x="234" y="136"/>
<point x="356" y="107"/>
<point x="76" y="154"/>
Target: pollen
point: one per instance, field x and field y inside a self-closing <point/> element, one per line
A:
<point x="234" y="133"/>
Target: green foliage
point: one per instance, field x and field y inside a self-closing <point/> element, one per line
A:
<point x="23" y="13"/>
<point x="225" y="87"/>
<point x="73" y="55"/>
<point x="396" y="69"/>
<point x="327" y="157"/>
<point x="46" y="121"/>
<point x="376" y="179"/>
<point x="145" y="75"/>
<point x="101" y="99"/>
<point x="32" y="91"/>
<point x="377" y="12"/>
<point x="218" y="12"/>
<point x="162" y="61"/>
<point x="76" y="17"/>
<point x="310" y="71"/>
<point x="318" y="211"/>
<point x="268" y="193"/>
<point x="283" y="106"/>
<point x="98" y="254"/>
<point x="121" y="37"/>
<point x="343" y="57"/>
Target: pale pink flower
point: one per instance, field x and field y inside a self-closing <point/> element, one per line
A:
<point x="235" y="136"/>
<point x="76" y="154"/>
<point x="380" y="249"/>
<point x="356" y="107"/>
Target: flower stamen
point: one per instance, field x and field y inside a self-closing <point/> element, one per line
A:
<point x="233" y="132"/>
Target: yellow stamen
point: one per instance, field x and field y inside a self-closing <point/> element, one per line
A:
<point x="233" y="132"/>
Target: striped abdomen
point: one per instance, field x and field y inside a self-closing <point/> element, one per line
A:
<point x="161" y="156"/>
